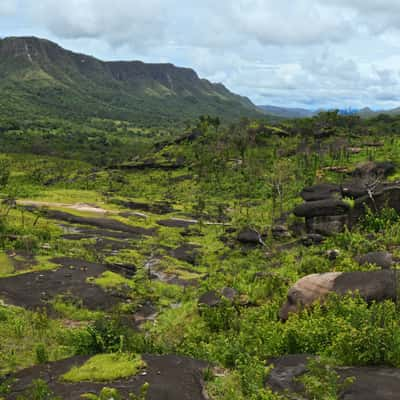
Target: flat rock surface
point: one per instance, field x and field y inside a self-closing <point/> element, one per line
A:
<point x="170" y="378"/>
<point x="371" y="383"/>
<point x="35" y="289"/>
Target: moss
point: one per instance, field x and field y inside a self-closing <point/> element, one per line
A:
<point x="110" y="279"/>
<point x="106" y="367"/>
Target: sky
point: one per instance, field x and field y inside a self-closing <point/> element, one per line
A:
<point x="292" y="53"/>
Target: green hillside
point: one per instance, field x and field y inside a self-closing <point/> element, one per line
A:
<point x="39" y="77"/>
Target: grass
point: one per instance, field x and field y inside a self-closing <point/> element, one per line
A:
<point x="106" y="368"/>
<point x="21" y="331"/>
<point x="6" y="266"/>
<point x="110" y="279"/>
<point x="74" y="312"/>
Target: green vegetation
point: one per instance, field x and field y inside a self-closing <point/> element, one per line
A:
<point x="225" y="179"/>
<point x="78" y="87"/>
<point x="106" y="367"/>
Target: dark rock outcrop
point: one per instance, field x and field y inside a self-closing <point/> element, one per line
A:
<point x="370" y="383"/>
<point x="322" y="208"/>
<point x="249" y="236"/>
<point x="371" y="285"/>
<point x="381" y="259"/>
<point x="322" y="191"/>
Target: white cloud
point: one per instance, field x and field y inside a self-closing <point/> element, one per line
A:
<point x="8" y="7"/>
<point x="294" y="52"/>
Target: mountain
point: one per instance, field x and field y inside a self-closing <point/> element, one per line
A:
<point x="285" y="112"/>
<point x="38" y="76"/>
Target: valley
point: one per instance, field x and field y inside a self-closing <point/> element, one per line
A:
<point x="246" y="260"/>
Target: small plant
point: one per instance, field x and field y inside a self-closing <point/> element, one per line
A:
<point x="39" y="390"/>
<point x="41" y="354"/>
<point x="113" y="394"/>
<point x="322" y="382"/>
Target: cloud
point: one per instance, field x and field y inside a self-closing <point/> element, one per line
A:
<point x="8" y="7"/>
<point x="118" y="22"/>
<point x="290" y="52"/>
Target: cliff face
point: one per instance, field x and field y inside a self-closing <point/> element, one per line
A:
<point x="124" y="89"/>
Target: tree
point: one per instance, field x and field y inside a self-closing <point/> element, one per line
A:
<point x="4" y="173"/>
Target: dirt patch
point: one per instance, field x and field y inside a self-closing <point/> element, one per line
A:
<point x="36" y="289"/>
<point x="170" y="377"/>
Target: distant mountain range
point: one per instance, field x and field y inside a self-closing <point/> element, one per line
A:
<point x="285" y="112"/>
<point x="289" y="113"/>
<point x="38" y="77"/>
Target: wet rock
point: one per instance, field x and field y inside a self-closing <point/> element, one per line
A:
<point x="381" y="259"/>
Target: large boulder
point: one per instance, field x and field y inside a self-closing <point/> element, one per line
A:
<point x="321" y="191"/>
<point x="388" y="197"/>
<point x="370" y="383"/>
<point x="322" y="208"/>
<point x="373" y="170"/>
<point x="371" y="285"/>
<point x="328" y="225"/>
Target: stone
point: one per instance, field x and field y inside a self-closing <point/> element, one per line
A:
<point x="371" y="286"/>
<point x="381" y="259"/>
<point x="322" y="208"/>
<point x="249" y="236"/>
<point x="321" y="191"/>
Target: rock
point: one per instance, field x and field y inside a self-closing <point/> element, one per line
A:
<point x="187" y="252"/>
<point x="322" y="191"/>
<point x="370" y="383"/>
<point x="285" y="372"/>
<point x="332" y="254"/>
<point x="281" y="232"/>
<point x="371" y="285"/>
<point x="210" y="299"/>
<point x="326" y="226"/>
<point x="168" y="377"/>
<point x="214" y="299"/>
<point x="229" y="293"/>
<point x="381" y="259"/>
<point x="322" y="208"/>
<point x="249" y="236"/>
<point x="312" y="239"/>
<point x="374" y="170"/>
<point x="387" y="197"/>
